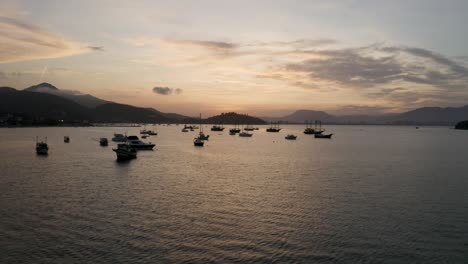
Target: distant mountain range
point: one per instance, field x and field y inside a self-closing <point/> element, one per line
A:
<point x="46" y="102"/>
<point x="420" y="116"/>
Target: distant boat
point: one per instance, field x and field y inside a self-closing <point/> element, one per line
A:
<point x="274" y="127"/>
<point x="323" y="135"/>
<point x="144" y="136"/>
<point x="185" y="130"/>
<point x="136" y="143"/>
<point x="249" y="128"/>
<point x="152" y="133"/>
<point x="245" y="134"/>
<point x="198" y="142"/>
<point x="66" y="139"/>
<point x="235" y="129"/>
<point x="41" y="147"/>
<point x="217" y="128"/>
<point x="313" y="131"/>
<point x="290" y="137"/>
<point x="119" y="137"/>
<point x="103" y="142"/>
<point x="232" y="133"/>
<point x="125" y="152"/>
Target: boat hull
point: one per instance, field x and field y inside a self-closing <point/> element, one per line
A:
<point x="125" y="154"/>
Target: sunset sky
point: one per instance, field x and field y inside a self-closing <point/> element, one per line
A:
<point x="265" y="58"/>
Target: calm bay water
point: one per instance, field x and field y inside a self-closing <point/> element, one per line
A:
<point x="372" y="194"/>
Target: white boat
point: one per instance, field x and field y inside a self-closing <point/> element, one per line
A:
<point x="125" y="152"/>
<point x="245" y="134"/>
<point x="136" y="143"/>
<point x="119" y="137"/>
<point x="41" y="147"/>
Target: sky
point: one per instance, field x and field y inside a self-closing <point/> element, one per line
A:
<point x="264" y="58"/>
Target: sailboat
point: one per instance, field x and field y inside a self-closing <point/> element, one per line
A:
<point x="200" y="140"/>
<point x="234" y="130"/>
<point x="274" y="127"/>
<point x="313" y="131"/>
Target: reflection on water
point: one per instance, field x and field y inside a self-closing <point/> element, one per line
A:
<point x="373" y="194"/>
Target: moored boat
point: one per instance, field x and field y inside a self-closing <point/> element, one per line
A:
<point x="290" y="137"/>
<point x="136" y="143"/>
<point x="323" y="135"/>
<point x="217" y="128"/>
<point x="41" y="147"/>
<point x="274" y="127"/>
<point x="125" y="152"/>
<point x="119" y="137"/>
<point x="245" y="134"/>
<point x="66" y="139"/>
<point x="103" y="142"/>
<point x="198" y="142"/>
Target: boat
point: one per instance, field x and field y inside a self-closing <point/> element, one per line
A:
<point x="66" y="139"/>
<point x="136" y="143"/>
<point x="245" y="134"/>
<point x="198" y="142"/>
<point x="103" y="142"/>
<point x="184" y="129"/>
<point x="323" y="135"/>
<point x="41" y="147"/>
<point x="274" y="127"/>
<point x="125" y="152"/>
<point x="249" y="128"/>
<point x="201" y="135"/>
<point x="217" y="128"/>
<point x="235" y="129"/>
<point x="119" y="137"/>
<point x="290" y="137"/>
<point x="144" y="136"/>
<point x="313" y="131"/>
<point x="152" y="133"/>
<point x="144" y="132"/>
<point x="232" y="133"/>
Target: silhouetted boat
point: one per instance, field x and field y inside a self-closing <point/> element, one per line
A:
<point x="201" y="135"/>
<point x="125" y="152"/>
<point x="274" y="127"/>
<point x="232" y="133"/>
<point x="185" y="130"/>
<point x="41" y="147"/>
<point x="290" y="137"/>
<point x="312" y="131"/>
<point x="217" y="128"/>
<point x="198" y="142"/>
<point x="119" y="138"/>
<point x="245" y="134"/>
<point x="103" y="142"/>
<point x="323" y="135"/>
<point x="66" y="139"/>
<point x="136" y="143"/>
<point x="249" y="128"/>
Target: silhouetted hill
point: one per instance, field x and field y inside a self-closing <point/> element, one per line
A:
<point x="431" y="116"/>
<point x="40" y="106"/>
<point x="301" y="116"/>
<point x="234" y="118"/>
<point x="86" y="100"/>
<point x="121" y="113"/>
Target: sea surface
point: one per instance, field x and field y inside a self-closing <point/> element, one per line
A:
<point x="371" y="194"/>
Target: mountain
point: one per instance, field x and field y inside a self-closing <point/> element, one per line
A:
<point x="85" y="100"/>
<point x="234" y="118"/>
<point x="420" y="116"/>
<point x="121" y="113"/>
<point x="432" y="116"/>
<point x="34" y="105"/>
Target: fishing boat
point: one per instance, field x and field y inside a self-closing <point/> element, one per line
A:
<point x="274" y="127"/>
<point x="41" y="147"/>
<point x="119" y="137"/>
<point x="136" y="143"/>
<point x="125" y="152"/>
<point x="323" y="135"/>
<point x="290" y="137"/>
<point x="217" y="128"/>
<point x="103" y="142"/>
<point x="245" y="134"/>
<point x="66" y="139"/>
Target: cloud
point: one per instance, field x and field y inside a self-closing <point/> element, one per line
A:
<point x="96" y="48"/>
<point x="166" y="90"/>
<point x="20" y="41"/>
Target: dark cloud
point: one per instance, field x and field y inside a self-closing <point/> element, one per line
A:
<point x="166" y="90"/>
<point x="96" y="48"/>
<point x="376" y="65"/>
